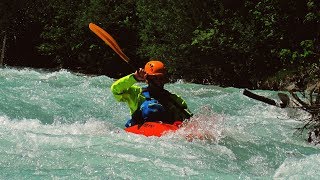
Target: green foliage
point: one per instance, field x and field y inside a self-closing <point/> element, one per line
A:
<point x="306" y="54"/>
<point x="232" y="43"/>
<point x="166" y="29"/>
<point x="166" y="32"/>
<point x="285" y="54"/>
<point x="205" y="38"/>
<point x="13" y="13"/>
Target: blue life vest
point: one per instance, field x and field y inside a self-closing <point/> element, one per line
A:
<point x="150" y="110"/>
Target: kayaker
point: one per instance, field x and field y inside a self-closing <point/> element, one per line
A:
<point x="153" y="102"/>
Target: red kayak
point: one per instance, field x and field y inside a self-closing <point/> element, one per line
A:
<point x="154" y="128"/>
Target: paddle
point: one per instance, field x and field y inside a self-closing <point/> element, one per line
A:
<point x="283" y="97"/>
<point x="108" y="39"/>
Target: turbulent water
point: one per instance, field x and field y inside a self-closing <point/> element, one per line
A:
<point x="59" y="125"/>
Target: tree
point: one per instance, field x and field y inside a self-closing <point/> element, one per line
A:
<point x="9" y="15"/>
<point x="165" y="32"/>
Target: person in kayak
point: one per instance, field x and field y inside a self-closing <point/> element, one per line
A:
<point x="151" y="103"/>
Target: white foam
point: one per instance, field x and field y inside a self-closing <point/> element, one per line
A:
<point x="206" y="126"/>
<point x="295" y="168"/>
<point x="90" y="127"/>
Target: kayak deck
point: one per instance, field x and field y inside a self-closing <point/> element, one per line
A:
<point x="153" y="128"/>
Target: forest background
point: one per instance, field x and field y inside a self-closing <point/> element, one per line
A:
<point x="265" y="44"/>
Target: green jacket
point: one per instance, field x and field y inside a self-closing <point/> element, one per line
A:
<point x="125" y="90"/>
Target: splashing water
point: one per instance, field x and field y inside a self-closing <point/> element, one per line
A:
<point x="59" y="125"/>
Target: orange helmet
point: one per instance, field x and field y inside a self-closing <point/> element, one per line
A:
<point x="155" y="68"/>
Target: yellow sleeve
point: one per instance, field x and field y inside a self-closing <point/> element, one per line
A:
<point x="124" y="90"/>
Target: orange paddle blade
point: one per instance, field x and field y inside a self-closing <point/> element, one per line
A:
<point x="108" y="39"/>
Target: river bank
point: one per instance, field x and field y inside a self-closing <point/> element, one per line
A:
<point x="302" y="78"/>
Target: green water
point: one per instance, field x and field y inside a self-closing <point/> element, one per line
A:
<point x="58" y="125"/>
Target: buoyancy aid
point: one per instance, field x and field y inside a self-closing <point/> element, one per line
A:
<point x="150" y="110"/>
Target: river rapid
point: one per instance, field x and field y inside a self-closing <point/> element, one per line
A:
<point x="61" y="125"/>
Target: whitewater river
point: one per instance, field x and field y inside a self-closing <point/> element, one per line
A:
<point x="59" y="125"/>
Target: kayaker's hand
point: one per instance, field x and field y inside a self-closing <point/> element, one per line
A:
<point x="140" y="74"/>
